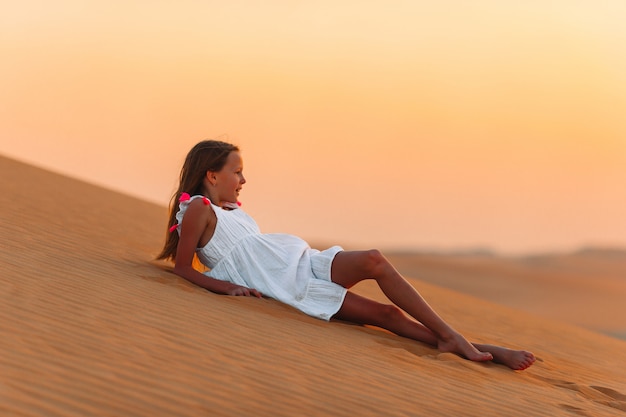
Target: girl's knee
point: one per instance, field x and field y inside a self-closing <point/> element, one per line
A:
<point x="375" y="261"/>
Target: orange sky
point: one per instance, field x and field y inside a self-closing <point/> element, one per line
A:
<point x="370" y="123"/>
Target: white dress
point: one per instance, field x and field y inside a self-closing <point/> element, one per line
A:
<point x="280" y="266"/>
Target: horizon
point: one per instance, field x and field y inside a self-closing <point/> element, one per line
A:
<point x="602" y="250"/>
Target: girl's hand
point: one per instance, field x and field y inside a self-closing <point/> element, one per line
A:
<point x="244" y="291"/>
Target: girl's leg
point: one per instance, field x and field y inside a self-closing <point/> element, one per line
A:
<point x="349" y="268"/>
<point x="361" y="310"/>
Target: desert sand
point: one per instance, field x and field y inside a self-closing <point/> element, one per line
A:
<point x="586" y="287"/>
<point x="90" y="325"/>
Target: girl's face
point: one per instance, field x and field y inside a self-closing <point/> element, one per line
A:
<point x="229" y="180"/>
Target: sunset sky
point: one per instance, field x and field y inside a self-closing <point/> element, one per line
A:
<point x="405" y="124"/>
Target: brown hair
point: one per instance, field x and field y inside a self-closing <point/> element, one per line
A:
<point x="208" y="155"/>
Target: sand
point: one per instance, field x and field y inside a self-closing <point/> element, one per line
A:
<point x="91" y="326"/>
<point x="586" y="287"/>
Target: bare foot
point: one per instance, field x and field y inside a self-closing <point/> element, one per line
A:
<point x="515" y="359"/>
<point x="456" y="343"/>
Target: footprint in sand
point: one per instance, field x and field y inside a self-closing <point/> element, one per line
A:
<point x="600" y="395"/>
<point x="575" y="410"/>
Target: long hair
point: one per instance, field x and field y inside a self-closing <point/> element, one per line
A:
<point x="208" y="155"/>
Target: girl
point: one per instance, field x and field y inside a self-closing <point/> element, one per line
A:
<point x="242" y="261"/>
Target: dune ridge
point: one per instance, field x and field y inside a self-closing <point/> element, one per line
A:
<point x="91" y="325"/>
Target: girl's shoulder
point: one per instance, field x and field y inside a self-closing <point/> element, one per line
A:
<point x="196" y="205"/>
<point x="186" y="200"/>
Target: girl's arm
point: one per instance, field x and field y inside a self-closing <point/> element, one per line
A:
<point x="198" y="218"/>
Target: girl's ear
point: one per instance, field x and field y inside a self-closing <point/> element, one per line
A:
<point x="210" y="177"/>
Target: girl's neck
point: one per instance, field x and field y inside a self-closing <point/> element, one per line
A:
<point x="212" y="196"/>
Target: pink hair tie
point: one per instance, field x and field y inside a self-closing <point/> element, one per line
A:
<point x="173" y="228"/>
<point x="184" y="197"/>
<point x="239" y="203"/>
<point x="206" y="201"/>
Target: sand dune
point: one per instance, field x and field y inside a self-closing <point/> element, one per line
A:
<point x="90" y="326"/>
<point x="586" y="288"/>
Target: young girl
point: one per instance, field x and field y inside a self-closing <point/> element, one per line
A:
<point x="242" y="261"/>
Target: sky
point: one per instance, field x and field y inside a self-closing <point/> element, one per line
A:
<point x="442" y="126"/>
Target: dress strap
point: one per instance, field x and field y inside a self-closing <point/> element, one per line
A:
<point x="183" y="203"/>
